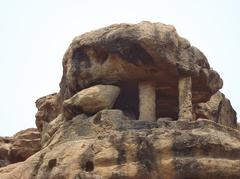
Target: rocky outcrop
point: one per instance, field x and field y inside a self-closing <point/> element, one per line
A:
<point x="48" y="109"/>
<point x="135" y="101"/>
<point x="128" y="55"/>
<point x="107" y="145"/>
<point x="218" y="109"/>
<point x="132" y="52"/>
<point x="124" y="54"/>
<point x="19" y="147"/>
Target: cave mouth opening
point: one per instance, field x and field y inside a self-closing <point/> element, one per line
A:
<point x="166" y="106"/>
<point x="128" y="102"/>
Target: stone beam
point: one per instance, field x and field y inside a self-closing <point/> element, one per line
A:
<point x="185" y="98"/>
<point x="147" y="101"/>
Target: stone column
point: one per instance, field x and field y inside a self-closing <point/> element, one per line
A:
<point x="185" y="98"/>
<point x="147" y="101"/>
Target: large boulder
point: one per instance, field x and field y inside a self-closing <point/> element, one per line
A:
<point x="91" y="100"/>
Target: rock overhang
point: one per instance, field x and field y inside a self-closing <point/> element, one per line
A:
<point x="136" y="52"/>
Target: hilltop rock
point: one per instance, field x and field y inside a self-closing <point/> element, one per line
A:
<point x="124" y="54"/>
<point x="131" y="52"/>
<point x="135" y="101"/>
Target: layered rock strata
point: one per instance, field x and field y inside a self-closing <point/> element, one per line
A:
<point x="108" y="145"/>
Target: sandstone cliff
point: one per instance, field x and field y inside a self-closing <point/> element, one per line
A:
<point x="135" y="101"/>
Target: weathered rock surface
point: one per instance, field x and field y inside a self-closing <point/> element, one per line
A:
<point x="19" y="147"/>
<point x="218" y="109"/>
<point x="104" y="146"/>
<point x="91" y="100"/>
<point x="48" y="109"/>
<point x="159" y="89"/>
<point x="126" y="53"/>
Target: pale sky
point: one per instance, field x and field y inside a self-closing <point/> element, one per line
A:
<point x="34" y="35"/>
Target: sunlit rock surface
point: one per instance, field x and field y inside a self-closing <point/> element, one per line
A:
<point x="136" y="101"/>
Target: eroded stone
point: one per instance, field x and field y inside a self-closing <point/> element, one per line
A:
<point x="218" y="109"/>
<point x="185" y="98"/>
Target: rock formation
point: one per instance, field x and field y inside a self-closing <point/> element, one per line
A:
<point x="218" y="109"/>
<point x="91" y="100"/>
<point x="19" y="147"/>
<point x="135" y="101"/>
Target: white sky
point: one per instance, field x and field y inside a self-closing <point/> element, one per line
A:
<point x="35" y="34"/>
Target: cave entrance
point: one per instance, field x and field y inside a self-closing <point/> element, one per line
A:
<point x="148" y="100"/>
<point x="128" y="99"/>
<point x="166" y="102"/>
<point x="166" y="105"/>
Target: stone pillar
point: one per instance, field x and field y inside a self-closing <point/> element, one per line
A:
<point x="185" y="98"/>
<point x="147" y="101"/>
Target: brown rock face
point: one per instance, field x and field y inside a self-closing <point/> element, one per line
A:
<point x="126" y="54"/>
<point x="131" y="105"/>
<point x="19" y="147"/>
<point x="108" y="145"/>
<point x="48" y="109"/>
<point x="218" y="109"/>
